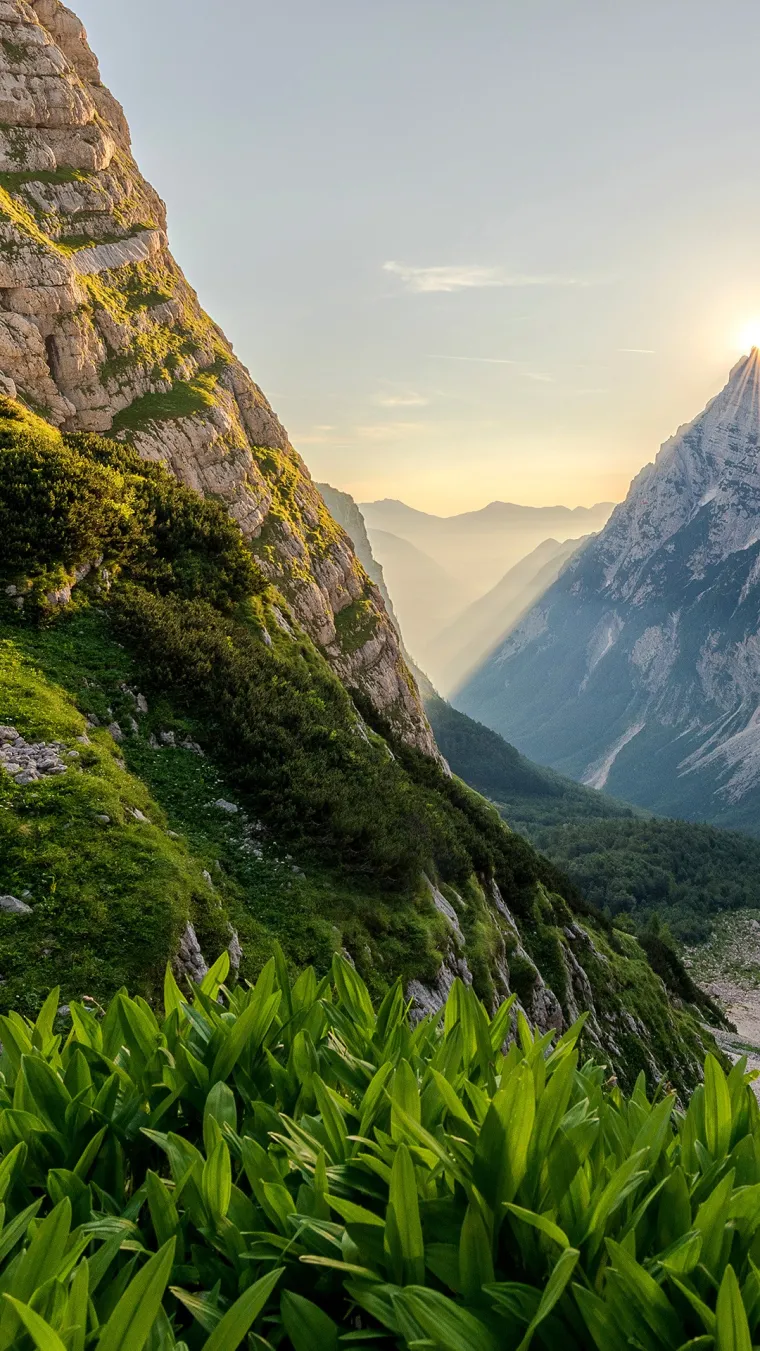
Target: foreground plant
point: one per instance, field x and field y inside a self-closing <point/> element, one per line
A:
<point x="282" y="1166"/>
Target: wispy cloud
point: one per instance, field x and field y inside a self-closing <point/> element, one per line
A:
<point x="488" y="361"/>
<point x="385" y="431"/>
<point x="540" y="376"/>
<point x="410" y="400"/>
<point x="469" y="276"/>
<point x="639" y="351"/>
<point x="317" y="436"/>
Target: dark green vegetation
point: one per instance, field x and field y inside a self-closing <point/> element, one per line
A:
<point x="284" y="1167"/>
<point x="682" y="873"/>
<point x="528" y="795"/>
<point x="624" y="861"/>
<point x="169" y="645"/>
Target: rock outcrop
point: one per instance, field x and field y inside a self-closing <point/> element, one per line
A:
<point x="100" y="331"/>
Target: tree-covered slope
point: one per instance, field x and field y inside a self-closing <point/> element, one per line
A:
<point x="625" y="861"/>
<point x="230" y="783"/>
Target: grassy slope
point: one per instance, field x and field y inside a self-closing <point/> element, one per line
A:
<point x="109" y="900"/>
<point x="185" y="623"/>
<point x="78" y="664"/>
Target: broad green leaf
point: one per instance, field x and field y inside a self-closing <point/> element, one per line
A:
<point x="43" y="1335"/>
<point x="216" y="1182"/>
<point x="130" y="1323"/>
<point x="236" y="1323"/>
<point x="475" y="1261"/>
<point x="552" y="1293"/>
<point x="731" y="1326"/>
<point x="216" y="975"/>
<point x="540" y="1222"/>
<point x="448" y="1325"/>
<point x="249" y="1030"/>
<point x="717" y="1106"/>
<point x="307" y="1326"/>
<point x="403" y="1230"/>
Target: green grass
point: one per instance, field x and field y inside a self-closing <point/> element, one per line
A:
<point x="187" y="398"/>
<point x="109" y="900"/>
<point x="15" y="180"/>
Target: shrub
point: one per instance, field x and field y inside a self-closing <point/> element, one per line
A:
<point x="282" y="1166"/>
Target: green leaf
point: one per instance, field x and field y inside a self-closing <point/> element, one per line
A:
<point x="130" y="1323"/>
<point x="216" y="975"/>
<point x="731" y="1327"/>
<point x="650" y="1300"/>
<point x="475" y="1261"/>
<point x="403" y="1230"/>
<point x="307" y="1326"/>
<point x="229" y="1333"/>
<point x="44" y="1336"/>
<point x="501" y="1153"/>
<point x="216" y="1182"/>
<point x="717" y="1102"/>
<point x="552" y="1293"/>
<point x="77" y="1310"/>
<point x="447" y="1324"/>
<point x="249" y="1030"/>
<point x="405" y="1095"/>
<point x="540" y="1222"/>
<point x="174" y="999"/>
<point x="43" y="1257"/>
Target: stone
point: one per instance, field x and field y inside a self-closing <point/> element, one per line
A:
<point x="11" y="905"/>
<point x="140" y="816"/>
<point x="55" y="340"/>
<point x="225" y="806"/>
<point x="235" y="951"/>
<point x="189" y="963"/>
<point x="142" y="703"/>
<point x="103" y="819"/>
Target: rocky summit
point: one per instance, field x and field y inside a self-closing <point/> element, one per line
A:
<point x="100" y="332"/>
<point x="638" y="670"/>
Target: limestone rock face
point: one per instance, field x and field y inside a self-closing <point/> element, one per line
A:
<point x="101" y="332"/>
<point x="638" y="671"/>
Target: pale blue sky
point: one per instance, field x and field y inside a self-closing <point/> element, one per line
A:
<point x="551" y="182"/>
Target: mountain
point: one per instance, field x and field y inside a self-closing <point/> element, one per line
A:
<point x="637" y="671"/>
<point x="425" y="595"/>
<point x="100" y="332"/>
<point x="344" y="510"/>
<point x="480" y="546"/>
<point x="208" y="736"/>
<point x="632" y="865"/>
<point x="483" y="625"/>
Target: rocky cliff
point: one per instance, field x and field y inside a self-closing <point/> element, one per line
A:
<point x="100" y="331"/>
<point x="637" y="671"/>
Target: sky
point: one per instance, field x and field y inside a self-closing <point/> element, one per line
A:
<point x="498" y="249"/>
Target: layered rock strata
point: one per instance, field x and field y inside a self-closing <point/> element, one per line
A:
<point x="100" y="331"/>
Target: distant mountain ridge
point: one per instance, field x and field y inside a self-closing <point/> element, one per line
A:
<point x="639" y="669"/>
<point x="481" y="546"/>
<point x="474" y="633"/>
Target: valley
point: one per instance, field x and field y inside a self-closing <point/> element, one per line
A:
<point x="328" y="1015"/>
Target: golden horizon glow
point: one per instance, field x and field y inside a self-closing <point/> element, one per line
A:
<point x="749" y="336"/>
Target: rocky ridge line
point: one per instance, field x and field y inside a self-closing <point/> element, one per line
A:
<point x="100" y="331"/>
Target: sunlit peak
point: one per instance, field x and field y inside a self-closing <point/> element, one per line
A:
<point x="750" y="335"/>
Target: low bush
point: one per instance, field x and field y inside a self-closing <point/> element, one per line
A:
<point x="284" y="1166"/>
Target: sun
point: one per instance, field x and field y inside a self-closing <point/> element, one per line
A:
<point x="750" y="335"/>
